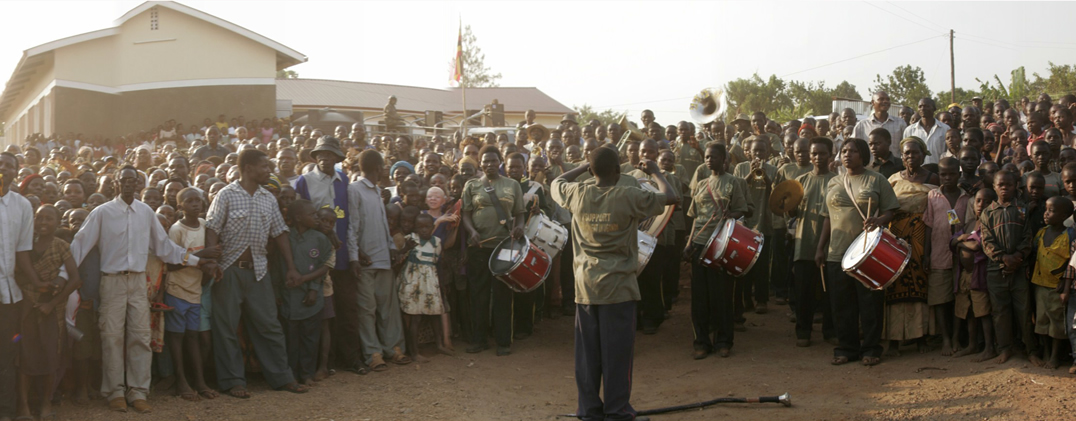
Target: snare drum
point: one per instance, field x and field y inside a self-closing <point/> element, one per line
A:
<point x="547" y="234"/>
<point x="733" y="247"/>
<point x="876" y="258"/>
<point x="519" y="264"/>
<point x="647" y="244"/>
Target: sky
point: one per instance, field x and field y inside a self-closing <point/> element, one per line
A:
<point x="626" y="56"/>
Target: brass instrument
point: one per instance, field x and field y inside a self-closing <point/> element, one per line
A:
<point x="708" y="105"/>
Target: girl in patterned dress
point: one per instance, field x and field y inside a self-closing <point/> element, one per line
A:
<point x="420" y="291"/>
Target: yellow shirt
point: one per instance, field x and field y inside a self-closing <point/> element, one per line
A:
<point x="1050" y="257"/>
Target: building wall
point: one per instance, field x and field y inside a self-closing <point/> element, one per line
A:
<point x="82" y="111"/>
<point x="186" y="48"/>
<point x="92" y="62"/>
<point x="140" y="110"/>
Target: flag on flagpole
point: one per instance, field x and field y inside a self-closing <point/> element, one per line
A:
<point x="458" y="76"/>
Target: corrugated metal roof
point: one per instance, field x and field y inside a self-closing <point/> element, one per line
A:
<point x="305" y="93"/>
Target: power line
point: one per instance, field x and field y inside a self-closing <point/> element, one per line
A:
<point x="866" y="54"/>
<point x="913" y="14"/>
<point x="899" y="16"/>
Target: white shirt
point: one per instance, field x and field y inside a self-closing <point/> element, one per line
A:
<point x="320" y="186"/>
<point x="894" y="125"/>
<point x="16" y="234"/>
<point x="125" y="235"/>
<point x="935" y="139"/>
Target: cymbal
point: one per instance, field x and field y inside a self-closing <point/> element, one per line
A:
<point x="786" y="196"/>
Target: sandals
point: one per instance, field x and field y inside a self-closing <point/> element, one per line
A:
<point x="399" y="357"/>
<point x="377" y="363"/>
<point x="841" y="360"/>
<point x="208" y="394"/>
<point x="239" y="392"/>
<point x="870" y="361"/>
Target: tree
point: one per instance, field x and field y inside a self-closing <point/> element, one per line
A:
<point x="905" y="86"/>
<point x="846" y="90"/>
<point x="1062" y="81"/>
<point x="754" y="94"/>
<point x="287" y="74"/>
<point x="942" y="98"/>
<point x="475" y="72"/>
<point x="585" y="113"/>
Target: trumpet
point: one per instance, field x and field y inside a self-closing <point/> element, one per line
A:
<point x="758" y="173"/>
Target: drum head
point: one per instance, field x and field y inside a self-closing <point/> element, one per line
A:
<point x="857" y="253"/>
<point x="508" y="255"/>
<point x="722" y="235"/>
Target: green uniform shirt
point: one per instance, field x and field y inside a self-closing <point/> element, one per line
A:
<point x="810" y="210"/>
<point x="484" y="216"/>
<point x="309" y="250"/>
<point x="626" y="167"/>
<point x="758" y="196"/>
<point x="845" y="223"/>
<point x="605" y="240"/>
<point x="687" y="156"/>
<point x="681" y="178"/>
<point x="786" y="172"/>
<point x="712" y="199"/>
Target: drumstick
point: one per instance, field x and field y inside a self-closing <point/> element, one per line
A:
<point x="822" y="272"/>
<point x="868" y="216"/>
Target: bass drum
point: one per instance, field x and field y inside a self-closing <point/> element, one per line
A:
<point x="647" y="244"/>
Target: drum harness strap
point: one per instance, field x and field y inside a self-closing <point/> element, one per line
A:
<point x="852" y="196"/>
<point x="717" y="204"/>
<point x="501" y="215"/>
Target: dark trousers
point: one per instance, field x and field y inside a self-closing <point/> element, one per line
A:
<point x="240" y="293"/>
<point x="10" y="317"/>
<point x="780" y="263"/>
<point x="345" y="336"/>
<point x="1008" y="301"/>
<point x="670" y="275"/>
<point x="808" y="286"/>
<point x="490" y="298"/>
<point x="567" y="273"/>
<point x="653" y="303"/>
<point x="523" y="309"/>
<point x="711" y="306"/>
<point x="854" y="306"/>
<point x="604" y="347"/>
<point x="303" y="337"/>
<point x="759" y="276"/>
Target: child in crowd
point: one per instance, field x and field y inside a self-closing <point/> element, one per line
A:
<point x="405" y="225"/>
<point x="302" y="302"/>
<point x="184" y="292"/>
<point x="1068" y="187"/>
<point x="43" y="329"/>
<point x="152" y="197"/>
<point x="446" y="224"/>
<point x="945" y="207"/>
<point x="970" y="283"/>
<point x="327" y="226"/>
<point x="420" y="292"/>
<point x="1053" y="245"/>
<point x="168" y="213"/>
<point x="1007" y="242"/>
<point x="95" y="200"/>
<point x="952" y="143"/>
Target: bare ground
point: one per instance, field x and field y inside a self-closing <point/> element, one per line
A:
<point x="536" y="383"/>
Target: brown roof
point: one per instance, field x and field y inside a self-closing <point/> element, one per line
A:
<point x="305" y="93"/>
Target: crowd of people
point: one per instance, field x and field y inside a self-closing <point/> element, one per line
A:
<point x="195" y="256"/>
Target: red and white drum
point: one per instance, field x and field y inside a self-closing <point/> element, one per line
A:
<point x="519" y="264"/>
<point x="876" y="258"/>
<point x="647" y="244"/>
<point x="733" y="247"/>
<point x="547" y="234"/>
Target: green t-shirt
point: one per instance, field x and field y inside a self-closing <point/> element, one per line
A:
<point x="758" y="196"/>
<point x="681" y="178"/>
<point x="845" y="223"/>
<point x="810" y="210"/>
<point x="688" y="156"/>
<point x="484" y="215"/>
<point x="726" y="190"/>
<point x="786" y="172"/>
<point x="309" y="251"/>
<point x="605" y="241"/>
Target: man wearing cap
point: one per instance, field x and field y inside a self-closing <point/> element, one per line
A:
<point x="569" y="120"/>
<point x="930" y="130"/>
<point x="327" y="187"/>
<point x="880" y="118"/>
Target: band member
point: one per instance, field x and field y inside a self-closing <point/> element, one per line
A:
<point x="718" y="197"/>
<point x="526" y="304"/>
<point x="604" y="224"/>
<point x="492" y="210"/>
<point x="854" y="306"/>
<point x="759" y="176"/>
<point x="784" y="240"/>
<point x="809" y="227"/>
<point x="650" y="285"/>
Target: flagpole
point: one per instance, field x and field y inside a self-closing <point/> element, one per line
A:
<point x="463" y="86"/>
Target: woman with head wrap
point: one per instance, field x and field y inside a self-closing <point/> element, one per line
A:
<point x="907" y="316"/>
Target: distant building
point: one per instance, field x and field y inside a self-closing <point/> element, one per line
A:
<point x="349" y="102"/>
<point x="161" y="60"/>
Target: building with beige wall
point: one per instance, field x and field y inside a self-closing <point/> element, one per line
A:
<point x="140" y="72"/>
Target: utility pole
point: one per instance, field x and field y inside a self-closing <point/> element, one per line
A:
<point x="952" y="70"/>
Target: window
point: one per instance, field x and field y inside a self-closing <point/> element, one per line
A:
<point x="153" y="19"/>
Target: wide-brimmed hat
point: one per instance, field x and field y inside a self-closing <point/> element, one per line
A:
<point x="328" y="144"/>
<point x="542" y="130"/>
<point x="569" y="118"/>
<point x="741" y="116"/>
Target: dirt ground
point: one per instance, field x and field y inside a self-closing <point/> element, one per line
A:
<point x="536" y="383"/>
